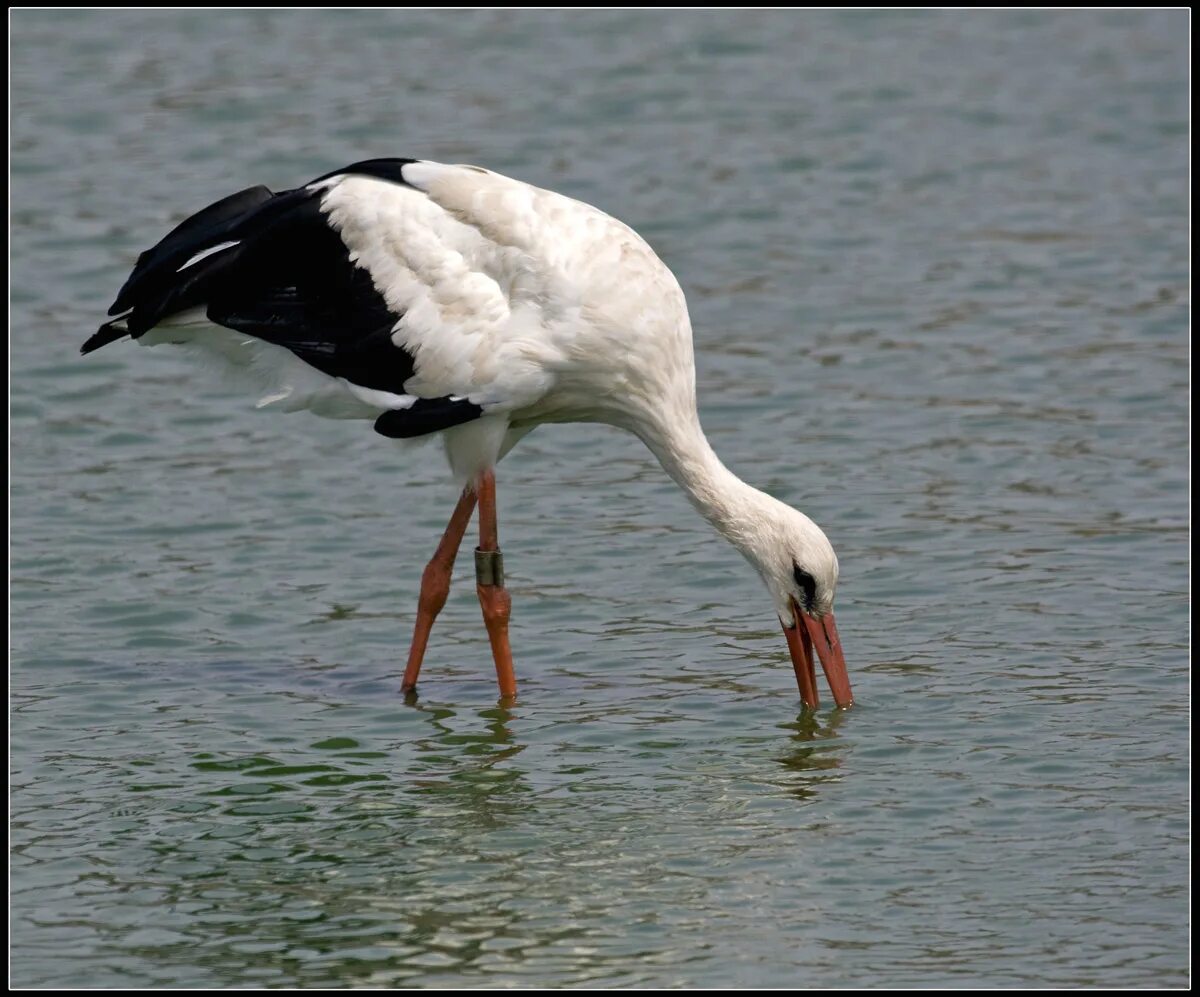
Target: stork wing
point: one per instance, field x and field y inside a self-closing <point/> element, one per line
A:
<point x="361" y="275"/>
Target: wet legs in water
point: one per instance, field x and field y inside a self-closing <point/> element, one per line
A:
<point x="489" y="576"/>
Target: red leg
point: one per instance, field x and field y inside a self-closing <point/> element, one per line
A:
<point x="489" y="578"/>
<point x="435" y="585"/>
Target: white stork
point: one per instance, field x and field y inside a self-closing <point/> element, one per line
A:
<point x="450" y="299"/>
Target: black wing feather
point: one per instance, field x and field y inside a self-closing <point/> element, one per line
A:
<point x="294" y="285"/>
<point x="209" y="227"/>
<point x="288" y="280"/>
<point x="428" y="415"/>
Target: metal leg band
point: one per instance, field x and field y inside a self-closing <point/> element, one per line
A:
<point x="489" y="567"/>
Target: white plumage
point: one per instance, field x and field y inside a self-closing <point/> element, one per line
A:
<point x="477" y="306"/>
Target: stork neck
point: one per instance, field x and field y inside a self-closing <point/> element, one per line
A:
<point x="718" y="494"/>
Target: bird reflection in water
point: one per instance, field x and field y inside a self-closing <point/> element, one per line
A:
<point x="465" y="766"/>
<point x="813" y="753"/>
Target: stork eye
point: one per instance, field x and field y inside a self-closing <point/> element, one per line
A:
<point x="807" y="583"/>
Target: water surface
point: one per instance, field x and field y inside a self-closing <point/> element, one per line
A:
<point x="938" y="270"/>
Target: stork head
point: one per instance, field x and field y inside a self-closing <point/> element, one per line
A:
<point x="797" y="562"/>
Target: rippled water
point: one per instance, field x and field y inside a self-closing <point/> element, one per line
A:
<point x="938" y="269"/>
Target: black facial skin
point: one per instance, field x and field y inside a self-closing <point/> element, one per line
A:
<point x="807" y="585"/>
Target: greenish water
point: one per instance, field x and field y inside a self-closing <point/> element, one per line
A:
<point x="938" y="269"/>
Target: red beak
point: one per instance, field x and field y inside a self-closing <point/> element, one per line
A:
<point x="805" y="633"/>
